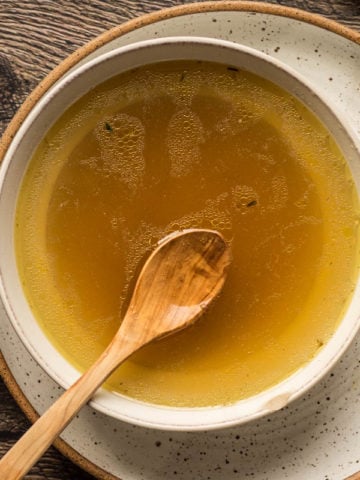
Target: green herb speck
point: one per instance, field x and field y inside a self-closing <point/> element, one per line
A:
<point x="108" y="127"/>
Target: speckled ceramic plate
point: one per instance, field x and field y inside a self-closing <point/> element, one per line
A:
<point x="318" y="436"/>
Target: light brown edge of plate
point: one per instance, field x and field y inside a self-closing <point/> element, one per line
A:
<point x="73" y="59"/>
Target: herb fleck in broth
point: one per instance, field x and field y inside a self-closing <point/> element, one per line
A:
<point x="179" y="145"/>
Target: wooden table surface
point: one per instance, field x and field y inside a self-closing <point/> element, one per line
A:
<point x="35" y="35"/>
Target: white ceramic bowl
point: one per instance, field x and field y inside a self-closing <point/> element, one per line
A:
<point x="45" y="113"/>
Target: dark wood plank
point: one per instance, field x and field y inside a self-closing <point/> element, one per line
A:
<point x="26" y="56"/>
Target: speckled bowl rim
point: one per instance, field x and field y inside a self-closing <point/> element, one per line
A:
<point x="83" y="52"/>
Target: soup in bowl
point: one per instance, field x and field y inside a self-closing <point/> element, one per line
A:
<point x="167" y="135"/>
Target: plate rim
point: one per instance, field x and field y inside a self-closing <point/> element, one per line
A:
<point x="78" y="55"/>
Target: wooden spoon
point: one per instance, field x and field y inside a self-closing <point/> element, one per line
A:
<point x="178" y="281"/>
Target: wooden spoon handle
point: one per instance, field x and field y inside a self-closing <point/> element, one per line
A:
<point x="29" y="448"/>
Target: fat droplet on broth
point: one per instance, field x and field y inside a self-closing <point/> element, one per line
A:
<point x="303" y="201"/>
<point x="122" y="140"/>
<point x="215" y="214"/>
<point x="139" y="242"/>
<point x="227" y="126"/>
<point x="185" y="134"/>
<point x="280" y="192"/>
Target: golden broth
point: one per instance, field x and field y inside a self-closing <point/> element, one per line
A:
<point x="179" y="145"/>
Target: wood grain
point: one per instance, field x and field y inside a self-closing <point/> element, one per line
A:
<point x="35" y="35"/>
